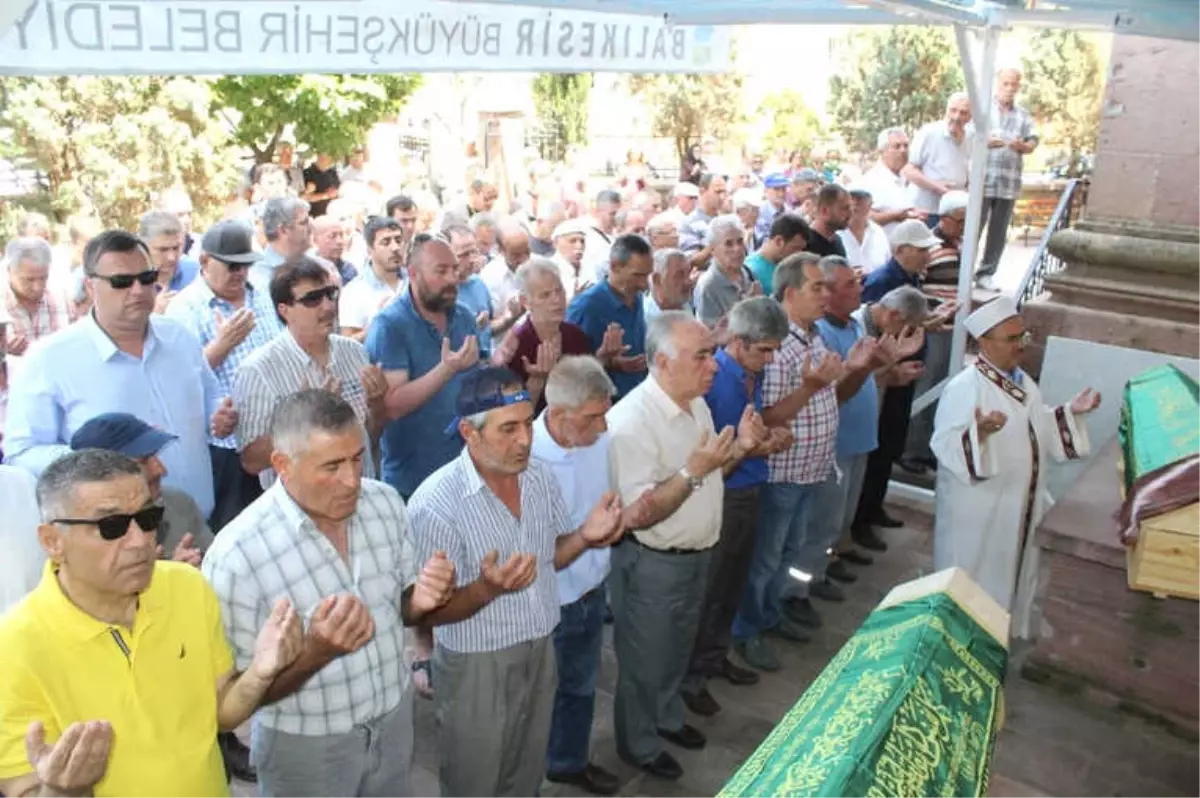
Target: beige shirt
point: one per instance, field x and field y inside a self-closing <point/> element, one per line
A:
<point x="652" y="438"/>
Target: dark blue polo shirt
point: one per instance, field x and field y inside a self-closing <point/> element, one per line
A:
<point x="401" y="339"/>
<point x="884" y="279"/>
<point x="727" y="400"/>
<point x="597" y="307"/>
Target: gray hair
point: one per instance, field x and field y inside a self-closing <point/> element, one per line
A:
<point x="27" y="248"/>
<point x="758" y="319"/>
<point x="576" y="380"/>
<point x="830" y="264"/>
<point x="721" y="225"/>
<point x="660" y="222"/>
<point x="909" y="302"/>
<point x="790" y="272"/>
<point x="32" y="221"/>
<point x="536" y="267"/>
<point x="159" y="223"/>
<point x="298" y="416"/>
<point x="280" y="212"/>
<point x="885" y="137"/>
<point x="660" y="334"/>
<point x="663" y="258"/>
<point x="482" y="220"/>
<point x="956" y="96"/>
<point x="56" y="485"/>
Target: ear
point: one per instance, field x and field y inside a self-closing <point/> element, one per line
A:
<point x="51" y="538"/>
<point x="281" y="463"/>
<point x="466" y="430"/>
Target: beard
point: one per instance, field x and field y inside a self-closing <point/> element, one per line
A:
<point x="438" y="301"/>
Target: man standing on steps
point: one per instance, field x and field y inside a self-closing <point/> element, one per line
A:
<point x="940" y="156"/>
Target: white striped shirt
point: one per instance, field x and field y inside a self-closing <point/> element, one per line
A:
<point x="281" y="368"/>
<point x="454" y="511"/>
<point x="273" y="550"/>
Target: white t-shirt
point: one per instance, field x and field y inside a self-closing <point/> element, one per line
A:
<point x="23" y="557"/>
<point x="501" y="282"/>
<point x="889" y="191"/>
<point x="363" y="297"/>
<point x="872" y="253"/>
<point x="940" y="157"/>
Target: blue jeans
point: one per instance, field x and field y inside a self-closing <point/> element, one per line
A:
<point x="577" y="642"/>
<point x="783" y="512"/>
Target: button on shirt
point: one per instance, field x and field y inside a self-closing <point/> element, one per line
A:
<point x="1004" y="166"/>
<point x="716" y="294"/>
<point x="881" y="281"/>
<point x="815" y="427"/>
<point x="274" y="550"/>
<point x="196" y="308"/>
<point x="870" y="253"/>
<point x="652" y="438"/>
<point x="402" y="340"/>
<point x="596" y="308"/>
<point x="363" y="298"/>
<point x="889" y="191"/>
<point x="456" y="512"/>
<point x="79" y="373"/>
<point x="939" y="158"/>
<point x="580" y="473"/>
<point x="858" y="416"/>
<point x="727" y="399"/>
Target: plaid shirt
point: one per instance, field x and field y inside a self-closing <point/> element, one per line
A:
<point x="50" y="316"/>
<point x="195" y="308"/>
<point x="815" y="427"/>
<point x="273" y="550"/>
<point x="1004" y="166"/>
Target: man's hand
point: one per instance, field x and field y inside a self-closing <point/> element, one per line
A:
<point x="995" y="142"/>
<point x="435" y="585"/>
<point x="917" y="213"/>
<point x="905" y="373"/>
<point x="751" y="431"/>
<point x="482" y="319"/>
<point x="503" y="354"/>
<point x="76" y="762"/>
<point x="613" y="343"/>
<point x="279" y="642"/>
<point x="463" y="359"/>
<point x="186" y="551"/>
<point x="989" y="423"/>
<point x="866" y="355"/>
<point x="163" y="300"/>
<point x="630" y="365"/>
<point x="225" y="420"/>
<point x="1085" y="402"/>
<point x="604" y="525"/>
<point x="374" y="383"/>
<point x="779" y="439"/>
<point x="517" y="572"/>
<point x="825" y="372"/>
<point x="711" y="453"/>
<point x="514" y="308"/>
<point x="17" y="345"/>
<point x="548" y="353"/>
<point x="233" y="330"/>
<point x="908" y="343"/>
<point x="342" y="624"/>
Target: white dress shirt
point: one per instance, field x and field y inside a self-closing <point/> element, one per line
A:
<point x="21" y="564"/>
<point x="501" y="281"/>
<point x="889" y="191"/>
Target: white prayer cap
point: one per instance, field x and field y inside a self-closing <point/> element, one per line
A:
<point x="571" y="227"/>
<point x="686" y="189"/>
<point x="744" y="197"/>
<point x="953" y="201"/>
<point x="996" y="312"/>
<point x="913" y="233"/>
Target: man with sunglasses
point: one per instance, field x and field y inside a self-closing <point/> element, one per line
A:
<point x="121" y="357"/>
<point x="116" y="674"/>
<point x="231" y="318"/>
<point x="993" y="438"/>
<point x="379" y="282"/>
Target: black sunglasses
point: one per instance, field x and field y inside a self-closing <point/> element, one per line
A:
<point x="114" y="527"/>
<point x="314" y="298"/>
<point x="233" y="267"/>
<point x="123" y="281"/>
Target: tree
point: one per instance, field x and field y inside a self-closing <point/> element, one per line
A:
<point x="793" y="124"/>
<point x="109" y="145"/>
<point x="1062" y="89"/>
<point x="898" y="76"/>
<point x="331" y="114"/>
<point x="690" y="107"/>
<point x="561" y="102"/>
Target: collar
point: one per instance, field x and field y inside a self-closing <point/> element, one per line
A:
<point x="368" y="274"/>
<point x="289" y="341"/>
<point x="839" y="323"/>
<point x="1002" y="380"/>
<point x="894" y="266"/>
<point x="798" y="331"/>
<point x="69" y="618"/>
<point x="658" y="397"/>
<point x="104" y="343"/>
<point x="728" y="361"/>
<point x="297" y="520"/>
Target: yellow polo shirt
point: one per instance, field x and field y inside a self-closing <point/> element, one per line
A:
<point x="156" y="684"/>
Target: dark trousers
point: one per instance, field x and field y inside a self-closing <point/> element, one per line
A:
<point x="893" y="432"/>
<point x="234" y="488"/>
<point x="727" y="573"/>
<point x="997" y="216"/>
<point x="937" y="367"/>
<point x="578" y="639"/>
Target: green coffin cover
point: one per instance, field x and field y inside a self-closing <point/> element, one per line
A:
<point x="908" y="707"/>
<point x="1160" y="421"/>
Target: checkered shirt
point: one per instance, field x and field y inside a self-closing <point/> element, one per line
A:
<point x="273" y="550"/>
<point x="1004" y="166"/>
<point x="50" y="316"/>
<point x="195" y="308"/>
<point x="815" y="427"/>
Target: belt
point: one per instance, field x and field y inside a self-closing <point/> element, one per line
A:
<point x="672" y="550"/>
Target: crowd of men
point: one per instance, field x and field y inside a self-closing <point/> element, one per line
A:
<point x="324" y="461"/>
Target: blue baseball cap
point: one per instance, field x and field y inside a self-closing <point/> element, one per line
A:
<point x="776" y="180"/>
<point x="121" y="432"/>
<point x="482" y="389"/>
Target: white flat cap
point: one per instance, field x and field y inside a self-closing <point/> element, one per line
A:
<point x="747" y="196"/>
<point x="996" y="312"/>
<point x="571" y="227"/>
<point x="913" y="233"/>
<point x="686" y="190"/>
<point x="953" y="201"/>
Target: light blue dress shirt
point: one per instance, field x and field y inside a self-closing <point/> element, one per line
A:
<point x="78" y="373"/>
<point x="263" y="270"/>
<point x="581" y="474"/>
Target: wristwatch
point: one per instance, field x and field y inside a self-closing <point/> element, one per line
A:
<point x="694" y="483"/>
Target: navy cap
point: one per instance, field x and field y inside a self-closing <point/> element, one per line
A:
<point x="482" y="389"/>
<point x="776" y="180"/>
<point x="121" y="432"/>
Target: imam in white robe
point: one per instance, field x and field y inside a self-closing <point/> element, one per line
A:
<point x="992" y="495"/>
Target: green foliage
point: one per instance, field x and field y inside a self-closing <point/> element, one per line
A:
<point x="892" y="76"/>
<point x="1062" y="88"/>
<point x="109" y="145"/>
<point x="561" y="103"/>
<point x="331" y="114"/>
<point x="690" y="107"/>
<point x="793" y="124"/>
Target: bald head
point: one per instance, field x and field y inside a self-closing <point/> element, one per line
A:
<point x="329" y="237"/>
<point x="1008" y="83"/>
<point x="514" y="243"/>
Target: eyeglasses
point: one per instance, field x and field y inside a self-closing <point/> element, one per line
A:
<point x="114" y="527"/>
<point x="1023" y="338"/>
<point x="123" y="281"/>
<point x="314" y="298"/>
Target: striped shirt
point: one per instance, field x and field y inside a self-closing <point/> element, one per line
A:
<point x="280" y="368"/>
<point x="49" y="316"/>
<point x="196" y="307"/>
<point x="1004" y="165"/>
<point x="272" y="550"/>
<point x="815" y="427"/>
<point x="454" y="511"/>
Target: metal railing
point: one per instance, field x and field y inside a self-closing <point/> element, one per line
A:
<point x="1044" y="262"/>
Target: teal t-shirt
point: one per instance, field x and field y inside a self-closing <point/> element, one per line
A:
<point x="763" y="271"/>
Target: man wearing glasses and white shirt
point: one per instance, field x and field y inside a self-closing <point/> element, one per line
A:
<point x="120" y="357"/>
